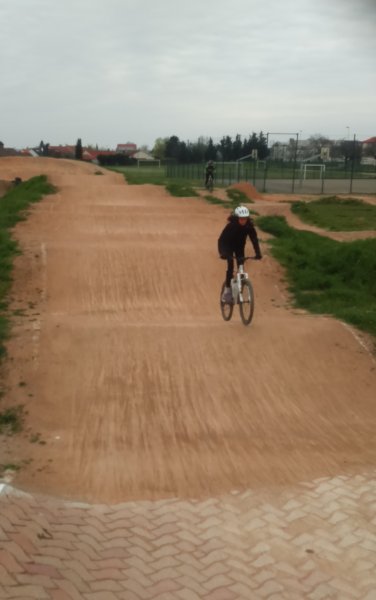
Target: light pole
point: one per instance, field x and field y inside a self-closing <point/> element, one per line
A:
<point x="348" y="132"/>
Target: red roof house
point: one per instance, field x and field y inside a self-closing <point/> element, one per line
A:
<point x="126" y="148"/>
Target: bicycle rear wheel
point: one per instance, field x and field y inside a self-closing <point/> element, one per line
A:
<point x="210" y="184"/>
<point x="247" y="305"/>
<point x="226" y="308"/>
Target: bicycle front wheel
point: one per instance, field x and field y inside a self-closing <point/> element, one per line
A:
<point x="247" y="305"/>
<point x="226" y="308"/>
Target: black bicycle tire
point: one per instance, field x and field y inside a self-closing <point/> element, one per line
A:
<point x="210" y="183"/>
<point x="230" y="307"/>
<point x="247" y="319"/>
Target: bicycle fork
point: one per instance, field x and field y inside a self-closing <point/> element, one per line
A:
<point x="236" y="285"/>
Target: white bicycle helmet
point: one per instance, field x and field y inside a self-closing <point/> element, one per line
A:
<point x="242" y="212"/>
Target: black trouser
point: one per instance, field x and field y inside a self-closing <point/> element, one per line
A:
<point x="230" y="265"/>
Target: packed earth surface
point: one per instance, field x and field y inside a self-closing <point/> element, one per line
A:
<point x="166" y="454"/>
<point x="134" y="387"/>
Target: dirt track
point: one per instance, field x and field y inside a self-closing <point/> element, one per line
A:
<point x="134" y="382"/>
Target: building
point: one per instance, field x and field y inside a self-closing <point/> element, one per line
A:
<point x="127" y="148"/>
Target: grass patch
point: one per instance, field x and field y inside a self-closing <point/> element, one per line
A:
<point x="337" y="215"/>
<point x="9" y="467"/>
<point x="238" y="197"/>
<point x="156" y="176"/>
<point x="142" y="175"/>
<point x="13" y="208"/>
<point x="215" y="200"/>
<point x="11" y="419"/>
<point x="326" y="276"/>
<point x="181" y="190"/>
<point x="15" y="202"/>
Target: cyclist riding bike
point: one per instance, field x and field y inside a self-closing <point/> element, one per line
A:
<point x="232" y="241"/>
<point x="209" y="171"/>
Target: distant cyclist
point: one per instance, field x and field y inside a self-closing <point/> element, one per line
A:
<point x="232" y="241"/>
<point x="209" y="171"/>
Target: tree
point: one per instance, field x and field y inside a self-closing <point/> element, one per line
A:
<point x="159" y="149"/>
<point x="312" y="150"/>
<point x="350" y="150"/>
<point x="172" y="147"/>
<point x="182" y="153"/>
<point x="225" y="148"/>
<point x="211" y="151"/>
<point x="237" y="147"/>
<point x="78" y="150"/>
<point x="262" y="146"/>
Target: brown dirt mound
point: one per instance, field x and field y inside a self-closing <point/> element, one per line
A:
<point x="248" y="189"/>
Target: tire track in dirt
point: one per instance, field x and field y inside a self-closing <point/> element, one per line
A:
<point x="141" y="390"/>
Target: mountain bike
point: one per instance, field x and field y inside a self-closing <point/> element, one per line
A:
<point x="242" y="294"/>
<point x="210" y="183"/>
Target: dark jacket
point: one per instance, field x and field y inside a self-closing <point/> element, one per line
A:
<point x="234" y="236"/>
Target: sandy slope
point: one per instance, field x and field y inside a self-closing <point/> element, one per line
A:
<point x="134" y="384"/>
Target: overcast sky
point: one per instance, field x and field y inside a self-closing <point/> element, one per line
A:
<point x="113" y="71"/>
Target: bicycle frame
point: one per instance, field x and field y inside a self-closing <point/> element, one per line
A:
<point x="242" y="295"/>
<point x="236" y="284"/>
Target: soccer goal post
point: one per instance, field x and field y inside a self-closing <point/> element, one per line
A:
<point x="142" y="162"/>
<point x="312" y="171"/>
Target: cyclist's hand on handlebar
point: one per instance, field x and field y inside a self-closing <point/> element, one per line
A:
<point x="224" y="256"/>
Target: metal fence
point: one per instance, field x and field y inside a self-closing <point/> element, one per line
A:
<point x="284" y="178"/>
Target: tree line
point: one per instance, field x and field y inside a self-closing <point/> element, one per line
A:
<point x="172" y="149"/>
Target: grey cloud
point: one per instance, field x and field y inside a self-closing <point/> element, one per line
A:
<point x="157" y="68"/>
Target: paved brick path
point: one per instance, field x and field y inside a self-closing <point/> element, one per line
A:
<point x="315" y="541"/>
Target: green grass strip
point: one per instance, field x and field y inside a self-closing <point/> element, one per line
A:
<point x="337" y="215"/>
<point x="181" y="190"/>
<point x="326" y="276"/>
<point x="13" y="208"/>
<point x="142" y="175"/>
<point x="238" y="197"/>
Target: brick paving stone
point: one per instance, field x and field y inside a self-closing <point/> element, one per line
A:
<point x="80" y="584"/>
<point x="316" y="541"/>
<point x="59" y="595"/>
<point x="187" y="595"/>
<point x="6" y="578"/>
<point x="163" y="587"/>
<point x="69" y="588"/>
<point x="106" y="585"/>
<point x="100" y="596"/>
<point x="133" y="586"/>
<point x="190" y="583"/>
<point x="220" y="594"/>
<point x="9" y="563"/>
<point x="27" y="591"/>
<point x="43" y="581"/>
<point x="133" y="574"/>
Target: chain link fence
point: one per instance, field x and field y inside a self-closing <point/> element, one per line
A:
<point x="277" y="177"/>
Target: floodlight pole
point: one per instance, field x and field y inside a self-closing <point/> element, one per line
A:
<point x="295" y="154"/>
<point x="352" y="165"/>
